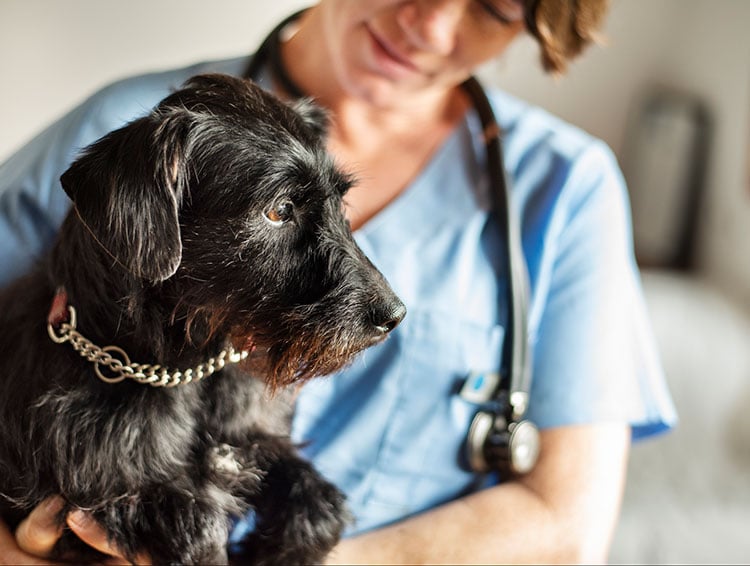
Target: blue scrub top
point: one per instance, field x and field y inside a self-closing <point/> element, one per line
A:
<point x="389" y="430"/>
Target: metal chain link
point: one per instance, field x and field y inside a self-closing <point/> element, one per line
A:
<point x="122" y="368"/>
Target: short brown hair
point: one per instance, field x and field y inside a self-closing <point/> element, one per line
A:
<point x="563" y="28"/>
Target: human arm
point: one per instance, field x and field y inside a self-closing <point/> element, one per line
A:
<point x="564" y="511"/>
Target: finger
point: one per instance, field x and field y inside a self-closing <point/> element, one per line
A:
<point x="11" y="554"/>
<point x="39" y="532"/>
<point x="9" y="551"/>
<point x="89" y="531"/>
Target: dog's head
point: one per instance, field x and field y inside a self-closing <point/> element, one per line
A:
<point x="223" y="203"/>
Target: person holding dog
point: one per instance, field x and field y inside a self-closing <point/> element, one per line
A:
<point x="390" y="430"/>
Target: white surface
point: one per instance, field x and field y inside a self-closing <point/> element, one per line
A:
<point x="688" y="495"/>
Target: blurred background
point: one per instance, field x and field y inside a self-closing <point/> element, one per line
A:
<point x="670" y="93"/>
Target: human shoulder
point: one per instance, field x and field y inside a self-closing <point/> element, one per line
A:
<point x="546" y="153"/>
<point x="131" y="97"/>
<point x="527" y="127"/>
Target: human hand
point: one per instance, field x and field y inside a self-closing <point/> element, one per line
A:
<point x="37" y="535"/>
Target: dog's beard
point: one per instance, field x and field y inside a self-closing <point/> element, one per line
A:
<point x="296" y="349"/>
<point x="298" y="360"/>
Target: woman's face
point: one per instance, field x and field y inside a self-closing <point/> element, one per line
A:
<point x="381" y="49"/>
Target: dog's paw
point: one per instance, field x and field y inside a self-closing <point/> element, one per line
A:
<point x="321" y="514"/>
<point x="302" y="525"/>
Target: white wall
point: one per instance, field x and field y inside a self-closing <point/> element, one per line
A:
<point x="713" y="60"/>
<point x="54" y="52"/>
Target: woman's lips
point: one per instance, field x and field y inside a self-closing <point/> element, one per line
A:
<point x="390" y="61"/>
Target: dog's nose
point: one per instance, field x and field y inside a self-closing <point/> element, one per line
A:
<point x="386" y="315"/>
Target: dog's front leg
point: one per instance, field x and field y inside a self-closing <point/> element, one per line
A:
<point x="299" y="515"/>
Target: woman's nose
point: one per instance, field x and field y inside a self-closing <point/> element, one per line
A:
<point x="432" y="25"/>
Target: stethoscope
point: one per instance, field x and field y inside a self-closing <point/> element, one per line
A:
<point x="500" y="438"/>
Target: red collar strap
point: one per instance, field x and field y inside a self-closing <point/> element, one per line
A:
<point x="58" y="312"/>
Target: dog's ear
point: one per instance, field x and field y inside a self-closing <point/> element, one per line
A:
<point x="126" y="189"/>
<point x="315" y="117"/>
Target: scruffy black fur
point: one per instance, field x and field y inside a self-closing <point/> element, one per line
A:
<point x="215" y="219"/>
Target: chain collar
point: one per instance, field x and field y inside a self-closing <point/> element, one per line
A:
<point x="120" y="365"/>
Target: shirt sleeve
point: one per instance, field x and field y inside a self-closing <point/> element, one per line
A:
<point x="595" y="356"/>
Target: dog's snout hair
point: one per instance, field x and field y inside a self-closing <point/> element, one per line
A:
<point x="216" y="219"/>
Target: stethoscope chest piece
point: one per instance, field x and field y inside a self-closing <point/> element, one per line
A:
<point x="492" y="445"/>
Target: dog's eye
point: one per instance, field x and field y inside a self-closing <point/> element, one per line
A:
<point x="279" y="213"/>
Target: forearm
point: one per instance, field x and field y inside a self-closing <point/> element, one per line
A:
<point x="466" y="530"/>
<point x="564" y="512"/>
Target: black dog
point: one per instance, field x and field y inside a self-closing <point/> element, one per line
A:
<point x="211" y="227"/>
